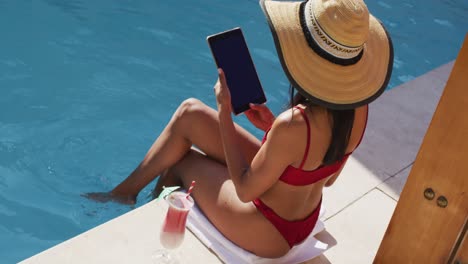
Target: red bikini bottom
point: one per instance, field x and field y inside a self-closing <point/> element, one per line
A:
<point x="293" y="231"/>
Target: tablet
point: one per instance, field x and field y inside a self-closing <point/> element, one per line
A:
<point x="230" y="53"/>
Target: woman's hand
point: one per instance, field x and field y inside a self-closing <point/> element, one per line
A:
<point x="223" y="96"/>
<point x="260" y="116"/>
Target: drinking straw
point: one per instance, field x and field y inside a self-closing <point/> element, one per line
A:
<point x="190" y="189"/>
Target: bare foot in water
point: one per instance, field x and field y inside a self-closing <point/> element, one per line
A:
<point x="104" y="197"/>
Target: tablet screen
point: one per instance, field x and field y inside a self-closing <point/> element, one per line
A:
<point x="232" y="55"/>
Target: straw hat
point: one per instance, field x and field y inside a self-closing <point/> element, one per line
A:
<point x="333" y="51"/>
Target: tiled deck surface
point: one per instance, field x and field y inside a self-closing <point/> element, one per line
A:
<point x="359" y="205"/>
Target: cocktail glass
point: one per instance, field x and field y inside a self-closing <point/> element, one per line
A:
<point x="173" y="229"/>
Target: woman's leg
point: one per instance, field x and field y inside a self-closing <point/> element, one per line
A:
<point x="193" y="123"/>
<point x="215" y="194"/>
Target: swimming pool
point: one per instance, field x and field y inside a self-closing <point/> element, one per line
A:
<point x="86" y="86"/>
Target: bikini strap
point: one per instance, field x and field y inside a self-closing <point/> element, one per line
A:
<point x="308" y="136"/>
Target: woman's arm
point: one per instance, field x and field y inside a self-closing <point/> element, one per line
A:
<point x="251" y="180"/>
<point x="236" y="162"/>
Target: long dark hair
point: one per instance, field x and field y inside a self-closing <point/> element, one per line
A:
<point x="341" y="128"/>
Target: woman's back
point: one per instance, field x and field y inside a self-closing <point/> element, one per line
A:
<point x="293" y="202"/>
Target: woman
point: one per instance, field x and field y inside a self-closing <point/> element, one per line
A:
<point x="339" y="59"/>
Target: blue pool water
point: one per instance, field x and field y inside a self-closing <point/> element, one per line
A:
<point x="86" y="86"/>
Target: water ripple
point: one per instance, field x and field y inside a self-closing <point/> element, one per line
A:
<point x="74" y="8"/>
<point x="46" y="226"/>
<point x="13" y="62"/>
<point x="443" y="22"/>
<point x="383" y="4"/>
<point x="157" y="33"/>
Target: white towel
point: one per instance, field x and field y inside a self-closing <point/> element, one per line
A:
<point x="230" y="253"/>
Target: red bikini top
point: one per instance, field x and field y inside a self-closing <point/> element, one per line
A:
<point x="298" y="176"/>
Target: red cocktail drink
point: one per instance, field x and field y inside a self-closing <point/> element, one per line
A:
<point x="173" y="229"/>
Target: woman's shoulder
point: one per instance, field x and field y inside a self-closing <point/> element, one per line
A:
<point x="291" y="118"/>
<point x="296" y="117"/>
<point x="288" y="122"/>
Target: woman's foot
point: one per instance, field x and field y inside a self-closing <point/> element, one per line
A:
<point x="104" y="197"/>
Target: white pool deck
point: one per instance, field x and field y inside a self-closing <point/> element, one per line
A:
<point x="358" y="206"/>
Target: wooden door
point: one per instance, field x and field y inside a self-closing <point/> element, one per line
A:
<point x="433" y="207"/>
